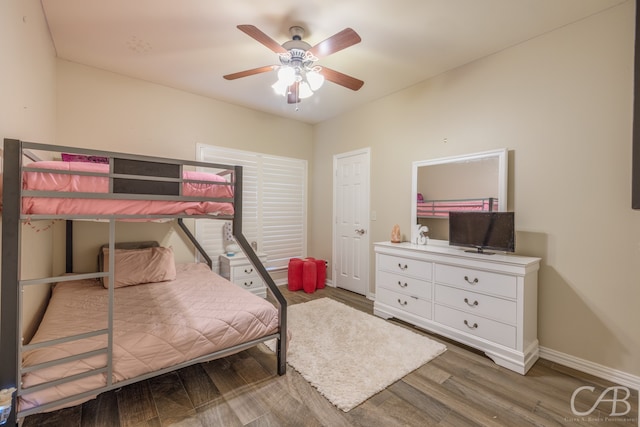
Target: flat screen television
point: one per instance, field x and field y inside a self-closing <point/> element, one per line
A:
<point x="482" y="230"/>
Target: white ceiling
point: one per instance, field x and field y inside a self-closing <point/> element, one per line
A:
<point x="191" y="44"/>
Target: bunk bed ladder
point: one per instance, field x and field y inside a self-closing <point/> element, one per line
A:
<point x="11" y="325"/>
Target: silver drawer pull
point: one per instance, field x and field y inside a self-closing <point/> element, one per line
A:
<point x="248" y="285"/>
<point x="474" y="326"/>
<point x="248" y="270"/>
<point x="474" y="304"/>
<point x="401" y="267"/>
<point x="402" y="285"/>
<point x="471" y="282"/>
<point x="401" y="303"/>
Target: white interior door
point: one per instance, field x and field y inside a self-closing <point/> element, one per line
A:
<point x="351" y="220"/>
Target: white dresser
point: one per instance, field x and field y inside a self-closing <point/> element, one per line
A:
<point x="489" y="302"/>
<point x="238" y="269"/>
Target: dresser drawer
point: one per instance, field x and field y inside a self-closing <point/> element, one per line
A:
<point x="491" y="330"/>
<point x="404" y="285"/>
<point x="413" y="305"/>
<point x="244" y="272"/>
<point x="479" y="281"/>
<point x="482" y="305"/>
<point x="410" y="267"/>
<point x="249" y="282"/>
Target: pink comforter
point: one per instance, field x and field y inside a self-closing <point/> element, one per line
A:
<point x="47" y="181"/>
<point x="156" y="326"/>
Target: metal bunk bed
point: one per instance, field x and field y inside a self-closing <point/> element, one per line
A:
<point x="130" y="177"/>
<point x="441" y="208"/>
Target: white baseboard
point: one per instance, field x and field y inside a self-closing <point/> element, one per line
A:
<point x="601" y="371"/>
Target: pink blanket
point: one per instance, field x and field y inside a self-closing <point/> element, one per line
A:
<point x="156" y="325"/>
<point x="48" y="181"/>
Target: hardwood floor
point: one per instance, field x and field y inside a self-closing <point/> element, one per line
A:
<point x="461" y="387"/>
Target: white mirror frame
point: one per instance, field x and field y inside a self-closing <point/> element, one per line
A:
<point x="501" y="155"/>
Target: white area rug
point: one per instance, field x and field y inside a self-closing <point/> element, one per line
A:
<point x="349" y="355"/>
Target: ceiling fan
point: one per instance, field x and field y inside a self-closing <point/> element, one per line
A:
<point x="298" y="74"/>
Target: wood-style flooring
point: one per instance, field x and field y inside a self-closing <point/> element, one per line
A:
<point x="462" y="387"/>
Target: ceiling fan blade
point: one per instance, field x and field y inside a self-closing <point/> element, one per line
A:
<point x="258" y="35"/>
<point x="335" y="43"/>
<point x="341" y="79"/>
<point x="251" y="72"/>
<point x="292" y="94"/>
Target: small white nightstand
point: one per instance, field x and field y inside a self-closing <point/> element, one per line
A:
<point x="238" y="269"/>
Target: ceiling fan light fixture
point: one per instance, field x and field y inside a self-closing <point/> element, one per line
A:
<point x="280" y="88"/>
<point x="286" y="75"/>
<point x="304" y="91"/>
<point x="315" y="79"/>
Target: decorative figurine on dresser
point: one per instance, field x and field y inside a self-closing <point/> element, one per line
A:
<point x="395" y="234"/>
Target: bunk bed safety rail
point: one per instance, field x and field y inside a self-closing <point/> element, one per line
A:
<point x="84" y="188"/>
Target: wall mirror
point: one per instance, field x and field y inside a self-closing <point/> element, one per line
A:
<point x="472" y="182"/>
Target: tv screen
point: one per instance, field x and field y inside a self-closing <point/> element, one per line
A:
<point x="482" y="230"/>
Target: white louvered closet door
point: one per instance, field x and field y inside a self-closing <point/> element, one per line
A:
<point x="282" y="229"/>
<point x="274" y="205"/>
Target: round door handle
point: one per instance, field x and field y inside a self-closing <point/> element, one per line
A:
<point x="360" y="231"/>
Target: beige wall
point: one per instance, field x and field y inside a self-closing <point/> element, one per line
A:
<point x="27" y="111"/>
<point x="103" y="110"/>
<point x="562" y="104"/>
<point x="27" y="74"/>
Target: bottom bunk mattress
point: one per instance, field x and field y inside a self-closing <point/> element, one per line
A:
<point x="155" y="326"/>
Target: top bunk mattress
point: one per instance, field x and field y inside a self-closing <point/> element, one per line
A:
<point x="211" y="186"/>
<point x="156" y="326"/>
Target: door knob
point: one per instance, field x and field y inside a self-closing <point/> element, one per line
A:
<point x="360" y="231"/>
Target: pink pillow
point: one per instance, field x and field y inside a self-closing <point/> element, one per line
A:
<point x="137" y="266"/>
<point x="67" y="157"/>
